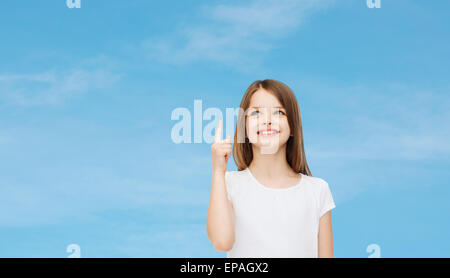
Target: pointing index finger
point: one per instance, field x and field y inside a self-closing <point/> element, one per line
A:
<point x="218" y="135"/>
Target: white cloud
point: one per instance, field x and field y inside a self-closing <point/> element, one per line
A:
<point x="271" y="17"/>
<point x="54" y="86"/>
<point x="234" y="35"/>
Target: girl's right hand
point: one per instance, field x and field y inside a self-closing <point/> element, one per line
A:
<point x="220" y="151"/>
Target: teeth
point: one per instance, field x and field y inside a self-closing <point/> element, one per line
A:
<point x="268" y="132"/>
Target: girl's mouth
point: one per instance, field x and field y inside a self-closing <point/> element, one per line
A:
<point x="267" y="132"/>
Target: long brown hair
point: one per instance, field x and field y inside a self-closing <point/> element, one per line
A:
<point x="295" y="152"/>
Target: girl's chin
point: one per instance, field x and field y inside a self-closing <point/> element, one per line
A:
<point x="268" y="143"/>
<point x="264" y="140"/>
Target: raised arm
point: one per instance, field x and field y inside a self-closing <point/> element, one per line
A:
<point x="220" y="220"/>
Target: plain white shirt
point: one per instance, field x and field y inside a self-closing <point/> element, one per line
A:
<point x="271" y="222"/>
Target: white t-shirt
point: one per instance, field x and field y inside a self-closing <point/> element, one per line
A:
<point x="272" y="222"/>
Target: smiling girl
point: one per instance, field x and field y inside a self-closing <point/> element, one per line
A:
<point x="272" y="206"/>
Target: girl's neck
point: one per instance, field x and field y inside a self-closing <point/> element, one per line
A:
<point x="270" y="165"/>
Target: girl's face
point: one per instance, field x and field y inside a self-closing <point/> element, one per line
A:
<point x="267" y="124"/>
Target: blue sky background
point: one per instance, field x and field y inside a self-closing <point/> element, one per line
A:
<point x="86" y="97"/>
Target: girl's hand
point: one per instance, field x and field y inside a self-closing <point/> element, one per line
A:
<point x="220" y="151"/>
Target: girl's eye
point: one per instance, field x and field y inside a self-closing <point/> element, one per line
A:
<point x="256" y="112"/>
<point x="280" y="112"/>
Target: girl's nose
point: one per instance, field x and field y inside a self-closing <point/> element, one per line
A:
<point x="267" y="120"/>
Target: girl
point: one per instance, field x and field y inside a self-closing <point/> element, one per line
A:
<point x="272" y="206"/>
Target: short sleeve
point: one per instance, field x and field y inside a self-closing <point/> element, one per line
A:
<point x="228" y="184"/>
<point x="326" y="201"/>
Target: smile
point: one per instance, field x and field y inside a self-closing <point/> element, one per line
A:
<point x="267" y="132"/>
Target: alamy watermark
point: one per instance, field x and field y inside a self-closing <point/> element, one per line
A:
<point x="74" y="249"/>
<point x="374" y="250"/>
<point x="184" y="132"/>
<point x="373" y="4"/>
<point x="73" y="4"/>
